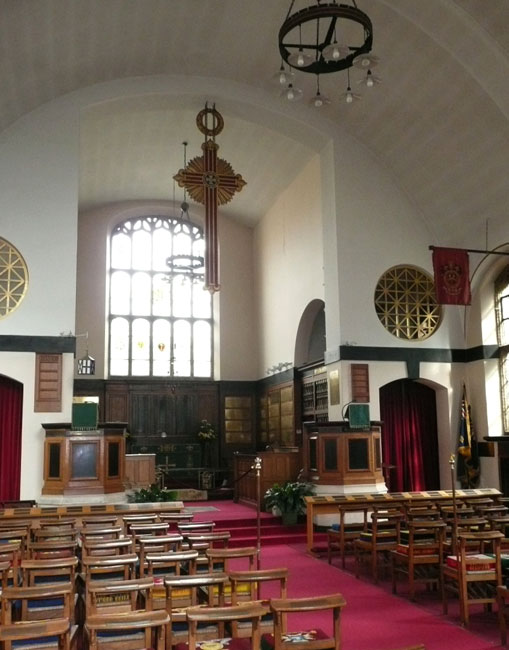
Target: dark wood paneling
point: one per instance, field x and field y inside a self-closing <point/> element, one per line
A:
<point x="42" y="344"/>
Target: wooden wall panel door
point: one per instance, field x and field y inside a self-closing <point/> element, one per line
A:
<point x="360" y="382"/>
<point x="140" y="420"/>
<point x="163" y="414"/>
<point x="117" y="404"/>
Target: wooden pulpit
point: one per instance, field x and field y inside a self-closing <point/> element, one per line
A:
<point x="342" y="458"/>
<point x="89" y="461"/>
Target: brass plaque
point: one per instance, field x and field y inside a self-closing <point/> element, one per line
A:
<point x="334" y="395"/>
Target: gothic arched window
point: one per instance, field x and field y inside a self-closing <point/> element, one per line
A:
<point x="160" y="316"/>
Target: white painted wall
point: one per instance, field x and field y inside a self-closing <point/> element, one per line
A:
<point x="38" y="215"/>
<point x="288" y="263"/>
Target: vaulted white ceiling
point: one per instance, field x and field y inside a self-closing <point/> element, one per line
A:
<point x="438" y="122"/>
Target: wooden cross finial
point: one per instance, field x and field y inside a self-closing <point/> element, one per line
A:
<point x="210" y="180"/>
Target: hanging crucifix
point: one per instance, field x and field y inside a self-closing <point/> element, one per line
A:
<point x="210" y="180"/>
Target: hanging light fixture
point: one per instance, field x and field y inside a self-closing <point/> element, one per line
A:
<point x="349" y="96"/>
<point x="319" y="100"/>
<point x="86" y="364"/>
<point x="190" y="267"/>
<point x="323" y="38"/>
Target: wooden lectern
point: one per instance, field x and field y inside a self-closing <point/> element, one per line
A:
<point x="89" y="461"/>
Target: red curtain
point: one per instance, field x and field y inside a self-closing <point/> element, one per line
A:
<point x="11" y="409"/>
<point x="409" y="435"/>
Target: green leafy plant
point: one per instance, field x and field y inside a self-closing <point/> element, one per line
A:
<point x="288" y="497"/>
<point x="206" y="431"/>
<point x="153" y="494"/>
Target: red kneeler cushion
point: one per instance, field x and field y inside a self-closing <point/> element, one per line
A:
<point x="295" y="637"/>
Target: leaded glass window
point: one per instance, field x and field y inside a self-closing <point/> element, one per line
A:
<point x="160" y="320"/>
<point x="502" y="316"/>
<point x="405" y="303"/>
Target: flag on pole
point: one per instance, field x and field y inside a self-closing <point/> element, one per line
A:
<point x="468" y="456"/>
<point x="452" y="279"/>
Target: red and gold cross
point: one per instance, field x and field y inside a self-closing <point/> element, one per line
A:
<point x="210" y="180"/>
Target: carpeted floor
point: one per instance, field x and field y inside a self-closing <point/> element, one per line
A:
<point x="373" y="618"/>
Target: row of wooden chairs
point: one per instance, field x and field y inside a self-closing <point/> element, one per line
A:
<point x="104" y="608"/>
<point x="415" y="546"/>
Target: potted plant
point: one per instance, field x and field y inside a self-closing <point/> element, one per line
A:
<point x="288" y="499"/>
<point x="206" y="436"/>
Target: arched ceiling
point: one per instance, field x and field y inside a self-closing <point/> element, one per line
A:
<point x="438" y="122"/>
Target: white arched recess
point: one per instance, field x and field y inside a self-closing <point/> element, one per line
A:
<point x="360" y="208"/>
<point x="304" y="332"/>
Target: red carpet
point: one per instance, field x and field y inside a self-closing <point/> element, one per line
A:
<point x="373" y="618"/>
<point x="241" y="522"/>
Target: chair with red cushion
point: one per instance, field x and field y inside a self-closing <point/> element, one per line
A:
<point x="305" y="636"/>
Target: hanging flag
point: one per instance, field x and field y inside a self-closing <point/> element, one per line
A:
<point x="468" y="455"/>
<point x="452" y="280"/>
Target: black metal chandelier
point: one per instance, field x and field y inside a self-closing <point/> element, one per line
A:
<point x="321" y="39"/>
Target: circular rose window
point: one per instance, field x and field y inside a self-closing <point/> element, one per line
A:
<point x="405" y="303"/>
<point x="13" y="278"/>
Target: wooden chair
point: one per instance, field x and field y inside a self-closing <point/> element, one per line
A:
<point x="5" y="568"/>
<point x="52" y="549"/>
<point x="101" y="532"/>
<point x="157" y="544"/>
<point x="144" y="530"/>
<point x="474" y="578"/>
<point x="219" y="558"/>
<point x="312" y="639"/>
<point x="203" y="541"/>
<point x="9" y="536"/>
<point x="16" y="524"/>
<point x="200" y="616"/>
<point x="502" y="598"/>
<point x="247" y="586"/>
<point x="38" y="603"/>
<point x="163" y="565"/>
<point x="171" y="563"/>
<point x="127" y="631"/>
<point x="106" y="547"/>
<point x="48" y="571"/>
<point x="110" y="567"/>
<point x="423" y="514"/>
<point x="54" y="533"/>
<point x="375" y="545"/>
<point x="57" y="523"/>
<point x="342" y="538"/>
<point x="54" y="633"/>
<point x="420" y="560"/>
<point x="471" y="524"/>
<point x="196" y="527"/>
<point x="108" y="521"/>
<point x="175" y="518"/>
<point x="10" y="552"/>
<point x="119" y="596"/>
<point x="182" y="592"/>
<point x="127" y="520"/>
<point x="53" y="572"/>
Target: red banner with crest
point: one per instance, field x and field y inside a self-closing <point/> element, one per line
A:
<point x="452" y="279"/>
